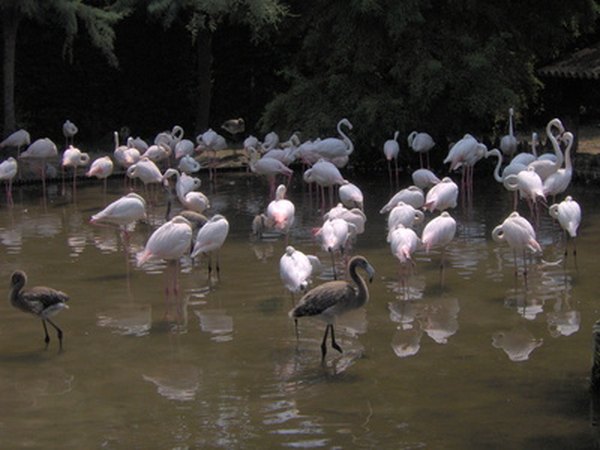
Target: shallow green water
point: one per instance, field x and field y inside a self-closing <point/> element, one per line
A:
<point x="480" y="360"/>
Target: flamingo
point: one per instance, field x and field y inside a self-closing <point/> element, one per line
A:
<point x="270" y="141"/>
<point x="355" y="217"/>
<point x="351" y="196"/>
<point x="424" y="178"/>
<point x="101" y="168"/>
<point x="530" y="187"/>
<point x="41" y="149"/>
<point x="403" y="243"/>
<point x="211" y="141"/>
<point x="519" y="234"/>
<point x="421" y="143"/>
<point x="170" y="242"/>
<point x="185" y="147"/>
<point x="405" y="215"/>
<point x="281" y="212"/>
<point x="412" y="195"/>
<point x="333" y="235"/>
<point x="439" y="232"/>
<point x="508" y="143"/>
<point x="125" y="155"/>
<point x="188" y="165"/>
<point x="269" y="167"/>
<point x="391" y="148"/>
<point x="545" y="167"/>
<point x="568" y="214"/>
<point x="330" y="148"/>
<point x="158" y="153"/>
<point x="8" y="171"/>
<point x="19" y="138"/>
<point x="325" y="174"/>
<point x="123" y="212"/>
<point x="146" y="170"/>
<point x="296" y="269"/>
<point x="559" y="181"/>
<point x="41" y="301"/>
<point x="210" y="239"/>
<point x="442" y="196"/>
<point x="334" y="298"/>
<point x="527" y="158"/>
<point x="69" y="130"/>
<point x="74" y="158"/>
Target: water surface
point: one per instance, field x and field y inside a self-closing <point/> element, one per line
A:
<point x="480" y="359"/>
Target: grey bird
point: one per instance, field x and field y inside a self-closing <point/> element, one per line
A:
<point x="334" y="298"/>
<point x="41" y="301"/>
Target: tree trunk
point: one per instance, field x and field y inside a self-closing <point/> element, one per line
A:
<point x="10" y="24"/>
<point x="205" y="60"/>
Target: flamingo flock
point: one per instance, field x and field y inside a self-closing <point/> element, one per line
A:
<point x="420" y="217"/>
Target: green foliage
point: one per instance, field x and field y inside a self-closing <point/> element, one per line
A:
<point x="446" y="67"/>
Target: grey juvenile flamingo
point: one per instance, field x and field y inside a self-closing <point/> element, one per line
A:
<point x="41" y="301"/>
<point x="334" y="298"/>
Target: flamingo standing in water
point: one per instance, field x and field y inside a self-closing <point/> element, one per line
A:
<point x="424" y="178"/>
<point x="123" y="213"/>
<point x="333" y="235"/>
<point x="559" y="181"/>
<point x="442" y="196"/>
<point x="41" y="150"/>
<point x="391" y="149"/>
<point x="351" y="196"/>
<point x="519" y="234"/>
<point x="296" y="269"/>
<point x="170" y="242"/>
<point x="210" y="239"/>
<point x="439" y="232"/>
<point x="331" y="148"/>
<point x="334" y="298"/>
<point x="412" y="195"/>
<point x="74" y="158"/>
<point x="69" y="130"/>
<point x="270" y="167"/>
<point x="568" y="214"/>
<point x="403" y="243"/>
<point x="508" y="143"/>
<point x="8" y="171"/>
<point x="41" y="301"/>
<point x="325" y="174"/>
<point x="405" y="215"/>
<point x="421" y="143"/>
<point x="281" y="212"/>
<point x="101" y="168"/>
<point x="18" y="139"/>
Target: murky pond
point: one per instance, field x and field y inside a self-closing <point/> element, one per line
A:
<point x="476" y="360"/>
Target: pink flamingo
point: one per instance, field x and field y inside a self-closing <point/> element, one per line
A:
<point x="210" y="239"/>
<point x="391" y="149"/>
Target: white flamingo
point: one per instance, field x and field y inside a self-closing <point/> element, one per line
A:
<point x="391" y="149"/>
<point x="442" y="196"/>
<point x="559" y="181"/>
<point x="296" y="269"/>
<point x="520" y="236"/>
<point x="412" y="195"/>
<point x="508" y="143"/>
<point x="330" y="148"/>
<point x="568" y="214"/>
<point x="101" y="168"/>
<point x="69" y="130"/>
<point x="351" y="196"/>
<point x="421" y="143"/>
<point x="210" y="239"/>
<point x="8" y="171"/>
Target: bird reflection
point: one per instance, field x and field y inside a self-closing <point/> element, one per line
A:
<point x="127" y="320"/>
<point x="437" y="317"/>
<point x="517" y="343"/>
<point x="407" y="340"/>
<point x="175" y="381"/>
<point x="563" y="320"/>
<point x="216" y="322"/>
<point x="47" y="382"/>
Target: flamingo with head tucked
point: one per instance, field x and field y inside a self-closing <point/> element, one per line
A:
<point x="8" y="171"/>
<point x="391" y="149"/>
<point x="568" y="214"/>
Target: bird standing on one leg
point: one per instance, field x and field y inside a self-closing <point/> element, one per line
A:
<point x="334" y="298"/>
<point x="40" y="301"/>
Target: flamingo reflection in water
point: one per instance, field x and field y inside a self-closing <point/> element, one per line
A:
<point x="334" y="298"/>
<point x="41" y="301"/>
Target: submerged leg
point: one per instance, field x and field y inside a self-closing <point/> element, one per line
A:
<point x="47" y="338"/>
<point x="333" y="343"/>
<point x="324" y="344"/>
<point x="59" y="332"/>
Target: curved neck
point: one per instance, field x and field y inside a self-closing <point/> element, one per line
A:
<point x="555" y="145"/>
<point x="345" y="138"/>
<point x="362" y="296"/>
<point x="510" y="123"/>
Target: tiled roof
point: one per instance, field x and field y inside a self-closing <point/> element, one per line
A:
<point x="583" y="64"/>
